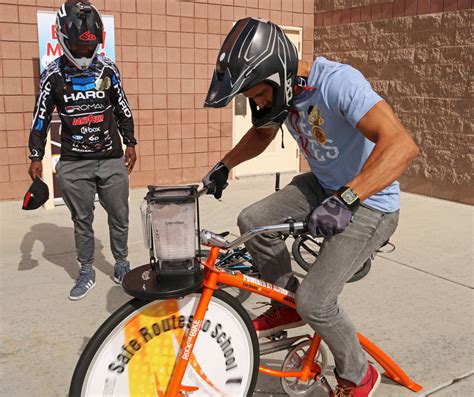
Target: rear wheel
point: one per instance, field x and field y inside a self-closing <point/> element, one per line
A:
<point x="305" y="250"/>
<point x="239" y="261"/>
<point x="134" y="351"/>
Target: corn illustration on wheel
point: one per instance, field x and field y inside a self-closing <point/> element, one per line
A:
<point x="150" y="370"/>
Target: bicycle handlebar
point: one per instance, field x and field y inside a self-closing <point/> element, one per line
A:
<point x="207" y="188"/>
<point x="210" y="238"/>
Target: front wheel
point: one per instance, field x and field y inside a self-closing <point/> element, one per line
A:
<point x="133" y="353"/>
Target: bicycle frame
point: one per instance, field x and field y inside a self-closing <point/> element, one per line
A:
<point x="214" y="276"/>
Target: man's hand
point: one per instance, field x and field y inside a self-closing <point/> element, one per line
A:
<point x="218" y="175"/>
<point x="130" y="158"/>
<point x="36" y="169"/>
<point x="331" y="217"/>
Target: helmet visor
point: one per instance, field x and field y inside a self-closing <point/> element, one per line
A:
<point x="82" y="50"/>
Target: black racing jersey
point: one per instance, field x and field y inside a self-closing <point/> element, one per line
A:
<point x="92" y="107"/>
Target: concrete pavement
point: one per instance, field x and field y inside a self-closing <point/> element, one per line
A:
<point x="416" y="303"/>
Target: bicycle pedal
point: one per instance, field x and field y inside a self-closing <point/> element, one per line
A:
<point x="279" y="345"/>
<point x="278" y="335"/>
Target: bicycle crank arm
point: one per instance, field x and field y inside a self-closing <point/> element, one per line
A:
<point x="278" y="345"/>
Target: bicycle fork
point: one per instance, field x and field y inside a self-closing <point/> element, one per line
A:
<point x="175" y="388"/>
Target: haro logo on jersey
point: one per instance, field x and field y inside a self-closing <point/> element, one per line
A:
<point x="76" y="96"/>
<point x="88" y="36"/>
<point x="90" y="119"/>
<point x="84" y="107"/>
<point x="122" y="102"/>
<point x="42" y="105"/>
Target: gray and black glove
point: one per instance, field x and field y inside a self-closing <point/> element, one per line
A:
<point x="218" y="174"/>
<point x="331" y="217"/>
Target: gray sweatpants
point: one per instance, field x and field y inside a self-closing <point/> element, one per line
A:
<point x="79" y="181"/>
<point x="340" y="257"/>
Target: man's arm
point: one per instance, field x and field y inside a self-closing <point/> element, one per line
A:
<point x="42" y="115"/>
<point x="123" y="115"/>
<point x="253" y="143"/>
<point x="394" y="150"/>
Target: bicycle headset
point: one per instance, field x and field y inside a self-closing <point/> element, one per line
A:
<point x="256" y="51"/>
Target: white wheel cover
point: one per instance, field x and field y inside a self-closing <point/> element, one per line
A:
<point x="138" y="357"/>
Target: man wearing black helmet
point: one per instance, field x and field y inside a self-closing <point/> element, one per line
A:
<point x="356" y="148"/>
<point x="95" y="118"/>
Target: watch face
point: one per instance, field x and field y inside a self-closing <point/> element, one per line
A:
<point x="349" y="196"/>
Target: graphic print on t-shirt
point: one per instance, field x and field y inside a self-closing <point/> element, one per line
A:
<point x="302" y="131"/>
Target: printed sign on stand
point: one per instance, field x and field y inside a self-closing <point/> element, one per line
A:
<point x="49" y="49"/>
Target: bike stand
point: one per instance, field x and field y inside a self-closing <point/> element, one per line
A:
<point x="280" y="341"/>
<point x="392" y="370"/>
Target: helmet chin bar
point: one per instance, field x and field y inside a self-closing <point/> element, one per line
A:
<point x="269" y="117"/>
<point x="82" y="63"/>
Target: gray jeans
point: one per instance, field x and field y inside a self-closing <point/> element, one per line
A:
<point x="79" y="181"/>
<point x="340" y="257"/>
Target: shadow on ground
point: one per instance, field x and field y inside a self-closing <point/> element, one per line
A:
<point x="59" y="249"/>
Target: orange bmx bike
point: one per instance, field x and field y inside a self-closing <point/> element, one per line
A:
<point x="182" y="334"/>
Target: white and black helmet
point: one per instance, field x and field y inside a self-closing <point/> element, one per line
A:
<point x="255" y="51"/>
<point x="79" y="23"/>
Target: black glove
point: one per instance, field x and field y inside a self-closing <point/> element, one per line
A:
<point x="218" y="174"/>
<point x="331" y="217"/>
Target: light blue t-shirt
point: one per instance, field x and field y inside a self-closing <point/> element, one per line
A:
<point x="333" y="147"/>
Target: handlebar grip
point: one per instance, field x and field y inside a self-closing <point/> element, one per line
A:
<point x="277" y="182"/>
<point x="210" y="187"/>
<point x="305" y="226"/>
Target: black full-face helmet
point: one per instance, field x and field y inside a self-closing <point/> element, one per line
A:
<point x="79" y="24"/>
<point x="255" y="51"/>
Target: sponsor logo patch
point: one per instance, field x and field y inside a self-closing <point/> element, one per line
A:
<point x="90" y="130"/>
<point x="84" y="108"/>
<point x="88" y="36"/>
<point x="76" y="96"/>
<point x="90" y="119"/>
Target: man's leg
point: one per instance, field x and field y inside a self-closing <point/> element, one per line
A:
<point x="271" y="255"/>
<point x="113" y="189"/>
<point x="316" y="299"/>
<point x="77" y="184"/>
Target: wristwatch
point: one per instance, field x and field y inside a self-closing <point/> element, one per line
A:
<point x="348" y="197"/>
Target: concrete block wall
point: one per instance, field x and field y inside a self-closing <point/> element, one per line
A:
<point x="166" y="51"/>
<point x="418" y="55"/>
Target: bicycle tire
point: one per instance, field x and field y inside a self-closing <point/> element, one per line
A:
<point x="362" y="272"/>
<point x="89" y="377"/>
<point x="304" y="248"/>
